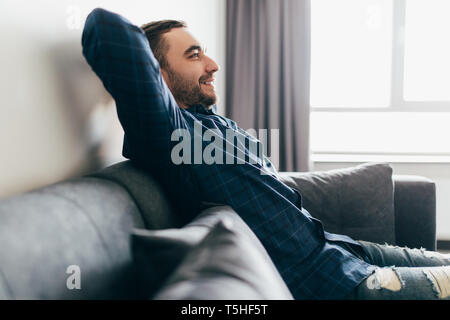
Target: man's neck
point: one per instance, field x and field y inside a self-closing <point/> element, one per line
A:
<point x="182" y="106"/>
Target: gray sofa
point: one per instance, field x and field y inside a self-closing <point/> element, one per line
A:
<point x="87" y="221"/>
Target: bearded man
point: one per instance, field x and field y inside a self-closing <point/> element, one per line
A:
<point x="163" y="81"/>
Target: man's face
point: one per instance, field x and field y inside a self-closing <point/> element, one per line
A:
<point x="190" y="72"/>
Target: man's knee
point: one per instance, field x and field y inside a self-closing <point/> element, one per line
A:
<point x="440" y="280"/>
<point x="384" y="278"/>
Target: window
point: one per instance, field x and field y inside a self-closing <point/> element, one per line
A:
<point x="427" y="51"/>
<point x="380" y="78"/>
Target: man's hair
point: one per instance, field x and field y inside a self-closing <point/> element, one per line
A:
<point x="154" y="31"/>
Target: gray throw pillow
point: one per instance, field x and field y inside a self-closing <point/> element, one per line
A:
<point x="226" y="265"/>
<point x="156" y="253"/>
<point x="356" y="201"/>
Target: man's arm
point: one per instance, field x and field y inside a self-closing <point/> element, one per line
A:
<point x="119" y="53"/>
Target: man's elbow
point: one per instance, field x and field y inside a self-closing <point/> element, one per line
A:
<point x="92" y="31"/>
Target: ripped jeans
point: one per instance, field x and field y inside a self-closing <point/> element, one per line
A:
<point x="403" y="273"/>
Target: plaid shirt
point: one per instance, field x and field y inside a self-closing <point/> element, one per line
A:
<point x="314" y="264"/>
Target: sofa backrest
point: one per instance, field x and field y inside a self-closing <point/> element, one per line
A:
<point x="68" y="234"/>
<point x="149" y="196"/>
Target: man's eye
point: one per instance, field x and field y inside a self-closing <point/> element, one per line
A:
<point x="195" y="55"/>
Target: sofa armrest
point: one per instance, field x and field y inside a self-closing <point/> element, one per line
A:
<point x="415" y="211"/>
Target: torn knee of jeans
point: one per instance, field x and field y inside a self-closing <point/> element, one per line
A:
<point x="384" y="278"/>
<point x="440" y="280"/>
<point x="387" y="245"/>
<point x="434" y="254"/>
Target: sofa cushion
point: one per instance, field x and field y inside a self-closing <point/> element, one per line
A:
<point x="356" y="201"/>
<point x="226" y="265"/>
<point x="157" y="253"/>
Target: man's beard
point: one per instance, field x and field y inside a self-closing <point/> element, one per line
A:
<point x="189" y="92"/>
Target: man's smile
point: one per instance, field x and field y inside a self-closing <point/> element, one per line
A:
<point x="208" y="82"/>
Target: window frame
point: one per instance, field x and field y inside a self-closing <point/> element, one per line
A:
<point x="397" y="102"/>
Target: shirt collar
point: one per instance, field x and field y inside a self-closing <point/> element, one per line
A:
<point x="198" y="108"/>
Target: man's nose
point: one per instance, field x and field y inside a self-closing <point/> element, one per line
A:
<point x="211" y="65"/>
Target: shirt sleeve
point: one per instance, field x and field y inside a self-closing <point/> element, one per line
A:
<point x="119" y="53"/>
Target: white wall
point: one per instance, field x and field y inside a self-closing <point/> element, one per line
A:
<point x="438" y="172"/>
<point x="53" y="109"/>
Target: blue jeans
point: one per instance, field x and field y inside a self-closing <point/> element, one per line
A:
<point x="404" y="273"/>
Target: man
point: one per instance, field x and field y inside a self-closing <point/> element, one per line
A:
<point x="162" y="81"/>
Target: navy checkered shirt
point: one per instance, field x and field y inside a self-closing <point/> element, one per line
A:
<point x="314" y="264"/>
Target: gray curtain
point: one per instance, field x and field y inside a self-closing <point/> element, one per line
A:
<point x="268" y="73"/>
